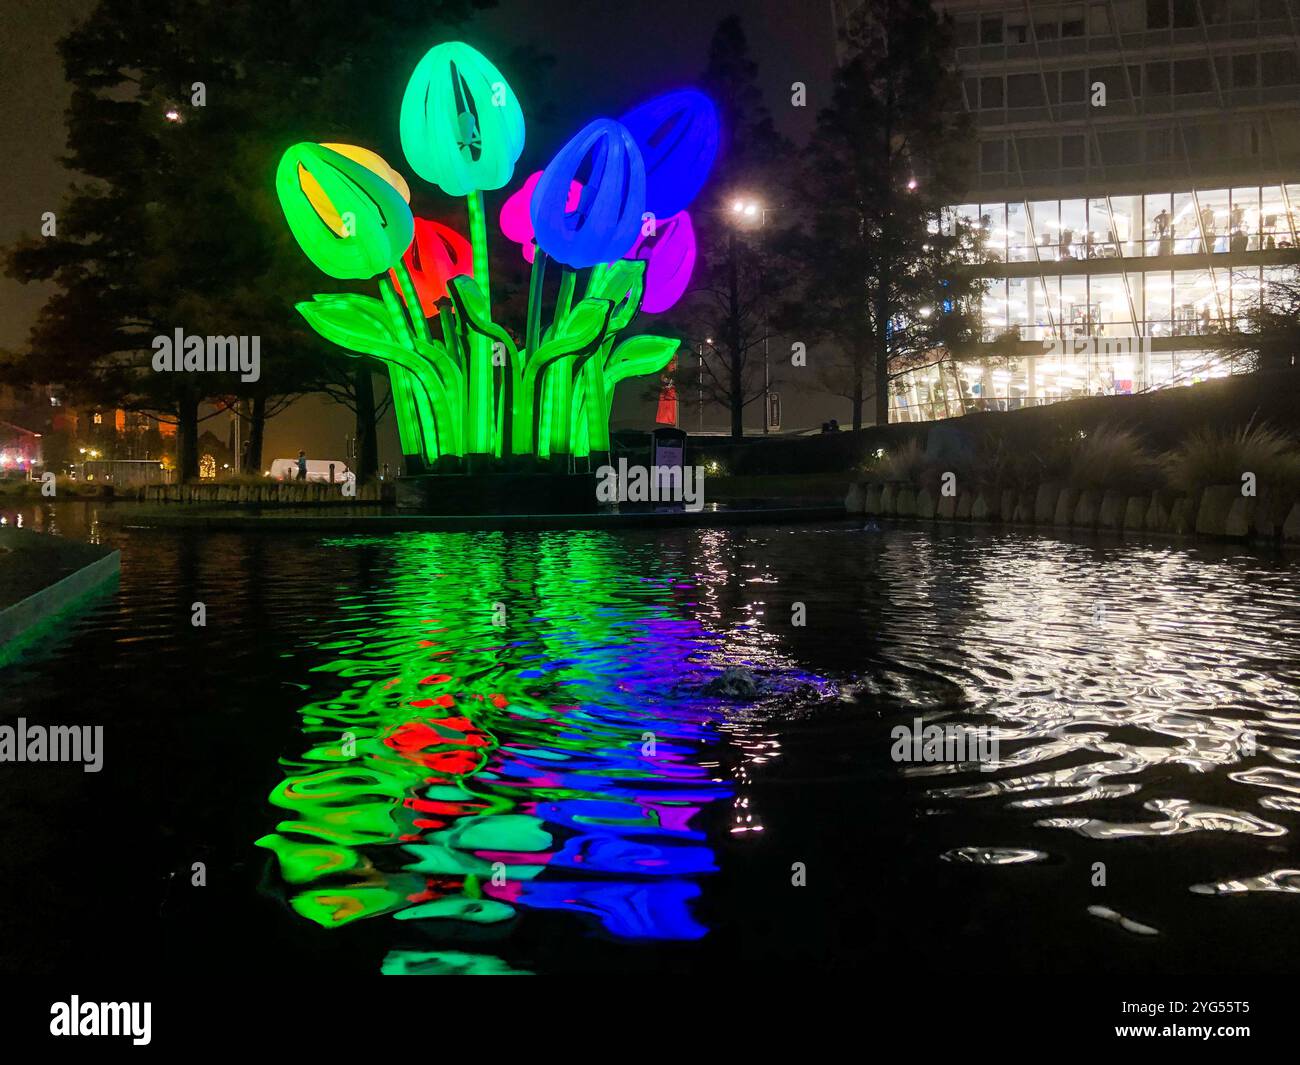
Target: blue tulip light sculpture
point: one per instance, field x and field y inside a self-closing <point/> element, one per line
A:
<point x="607" y="218"/>
<point x="678" y="137"/>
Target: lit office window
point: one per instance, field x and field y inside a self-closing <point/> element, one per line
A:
<point x="1244" y="221"/>
<point x="993" y="307"/>
<point x="1244" y="296"/>
<point x="1108" y="296"/>
<point x="1126" y="224"/>
<point x="1185" y="227"/>
<point x="1158" y="212"/>
<point x="1019" y="244"/>
<point x="1102" y="243"/>
<point x="1215" y="219"/>
<point x="1196" y="308"/>
<point x="1051" y="310"/>
<point x="1074" y="242"/>
<point x="1045" y="224"/>
<point x="1159" y="302"/>
<point x="1018" y="306"/>
<point x="993" y="219"/>
<point x="1274" y="224"/>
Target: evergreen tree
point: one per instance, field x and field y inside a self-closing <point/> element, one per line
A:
<point x="180" y="111"/>
<point x="881" y="277"/>
<point x="726" y="314"/>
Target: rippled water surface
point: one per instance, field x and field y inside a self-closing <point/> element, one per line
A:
<point x="436" y="752"/>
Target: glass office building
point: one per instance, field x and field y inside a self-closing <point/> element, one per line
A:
<point x="1137" y="189"/>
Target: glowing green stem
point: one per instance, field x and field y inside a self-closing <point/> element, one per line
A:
<point x="598" y="273"/>
<point x="536" y="279"/>
<point x="416" y="420"/>
<point x="557" y="394"/>
<point x="412" y="299"/>
<point x="482" y="402"/>
<point x="564" y="301"/>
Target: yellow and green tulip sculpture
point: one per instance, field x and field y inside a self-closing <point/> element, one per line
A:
<point x="467" y="394"/>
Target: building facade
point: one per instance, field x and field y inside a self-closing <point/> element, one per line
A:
<point x="1137" y="189"/>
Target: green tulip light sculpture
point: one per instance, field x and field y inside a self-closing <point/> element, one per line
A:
<point x="467" y="395"/>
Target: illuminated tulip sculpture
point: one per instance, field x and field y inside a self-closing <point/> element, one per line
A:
<point x="611" y="203"/>
<point x="436" y="255"/>
<point x="351" y="221"/>
<point x="678" y="136"/>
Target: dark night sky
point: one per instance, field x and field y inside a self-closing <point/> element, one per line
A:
<point x="608" y="56"/>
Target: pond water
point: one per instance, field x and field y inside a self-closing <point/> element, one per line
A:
<point x="444" y="752"/>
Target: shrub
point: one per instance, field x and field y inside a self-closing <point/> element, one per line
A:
<point x="905" y="462"/>
<point x="1218" y="456"/>
<point x="1112" y="458"/>
<point x="1001" y="462"/>
<point x="1028" y="452"/>
<point x="869" y="468"/>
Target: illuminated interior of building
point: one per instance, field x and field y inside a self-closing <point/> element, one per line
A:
<point x="1116" y="290"/>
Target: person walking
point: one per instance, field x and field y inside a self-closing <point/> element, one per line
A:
<point x="302" y="465"/>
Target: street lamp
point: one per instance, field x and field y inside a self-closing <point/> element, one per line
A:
<point x="747" y="210"/>
<point x="700" y="419"/>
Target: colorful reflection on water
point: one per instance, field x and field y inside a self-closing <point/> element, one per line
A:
<point x="562" y="793"/>
<point x="510" y="726"/>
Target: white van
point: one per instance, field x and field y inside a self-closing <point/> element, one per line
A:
<point x="317" y="470"/>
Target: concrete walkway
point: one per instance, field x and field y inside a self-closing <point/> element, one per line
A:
<point x="41" y="576"/>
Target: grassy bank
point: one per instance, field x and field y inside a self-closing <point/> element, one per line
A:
<point x="1161" y="418"/>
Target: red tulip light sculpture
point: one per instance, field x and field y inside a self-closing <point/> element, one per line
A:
<point x="436" y="255"/>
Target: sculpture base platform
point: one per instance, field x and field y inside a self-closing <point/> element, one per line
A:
<point x="498" y="493"/>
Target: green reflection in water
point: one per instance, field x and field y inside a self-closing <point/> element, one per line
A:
<point x="502" y="710"/>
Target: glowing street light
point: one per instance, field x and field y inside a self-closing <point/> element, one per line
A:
<point x="748" y="210"/>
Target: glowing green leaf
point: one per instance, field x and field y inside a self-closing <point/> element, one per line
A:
<point x="639" y="355"/>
